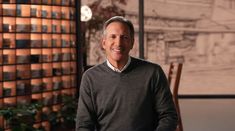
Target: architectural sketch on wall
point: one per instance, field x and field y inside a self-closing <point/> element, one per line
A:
<point x="199" y="33"/>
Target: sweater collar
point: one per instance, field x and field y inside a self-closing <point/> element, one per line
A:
<point x="116" y="69"/>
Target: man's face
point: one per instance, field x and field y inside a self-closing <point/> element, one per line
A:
<point x="117" y="42"/>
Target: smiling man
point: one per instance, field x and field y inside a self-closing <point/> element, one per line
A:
<point x="124" y="93"/>
<point x="117" y="43"/>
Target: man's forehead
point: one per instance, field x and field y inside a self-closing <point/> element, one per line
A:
<point x="117" y="25"/>
<point x="117" y="29"/>
<point x="113" y="32"/>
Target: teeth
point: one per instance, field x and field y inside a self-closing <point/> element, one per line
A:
<point x="118" y="49"/>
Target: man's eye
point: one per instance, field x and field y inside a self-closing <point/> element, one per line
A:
<point x="112" y="36"/>
<point x="126" y="37"/>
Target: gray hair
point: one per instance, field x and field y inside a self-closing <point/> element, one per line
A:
<point x="120" y="19"/>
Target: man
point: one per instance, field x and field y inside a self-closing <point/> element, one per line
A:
<point x="124" y="93"/>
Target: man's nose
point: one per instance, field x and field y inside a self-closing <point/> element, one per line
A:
<point x="118" y="40"/>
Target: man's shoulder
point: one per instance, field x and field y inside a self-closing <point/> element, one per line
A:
<point x="145" y="63"/>
<point x="145" y="68"/>
<point x="95" y="69"/>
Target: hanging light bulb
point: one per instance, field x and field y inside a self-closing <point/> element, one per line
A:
<point x="86" y="13"/>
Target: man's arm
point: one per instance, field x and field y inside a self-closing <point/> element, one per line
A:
<point x="85" y="120"/>
<point x="164" y="105"/>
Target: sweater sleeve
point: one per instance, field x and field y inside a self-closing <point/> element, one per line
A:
<point x="85" y="120"/>
<point x="164" y="105"/>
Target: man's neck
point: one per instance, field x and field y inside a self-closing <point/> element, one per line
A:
<point x="119" y="64"/>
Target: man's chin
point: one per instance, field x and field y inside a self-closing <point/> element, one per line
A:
<point x="117" y="58"/>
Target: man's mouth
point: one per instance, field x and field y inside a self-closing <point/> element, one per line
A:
<point x="117" y="50"/>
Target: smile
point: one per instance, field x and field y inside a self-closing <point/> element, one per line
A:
<point x="118" y="50"/>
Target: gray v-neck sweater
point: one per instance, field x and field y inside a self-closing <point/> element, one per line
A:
<point x="137" y="99"/>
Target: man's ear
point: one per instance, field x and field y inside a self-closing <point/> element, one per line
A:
<point x="103" y="43"/>
<point x="132" y="42"/>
